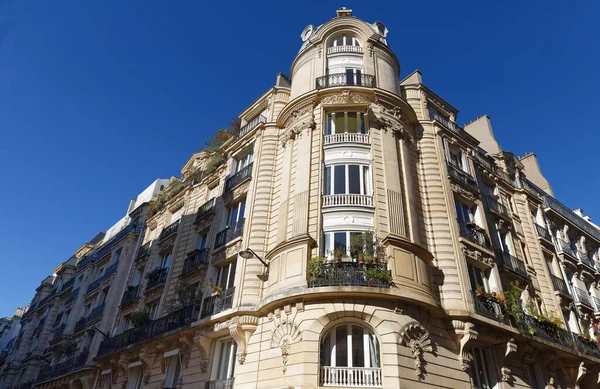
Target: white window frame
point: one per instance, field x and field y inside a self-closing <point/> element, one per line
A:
<point x="483" y="361"/>
<point x="136" y="377"/>
<point x="329" y="242"/>
<point x="367" y="334"/>
<point x="224" y="365"/>
<point x="460" y="153"/>
<point x="331" y="126"/>
<point x="364" y="173"/>
<point x="243" y="161"/>
<point x="346" y="40"/>
<point x="474" y="271"/>
<point x="237" y="208"/>
<point x="226" y="274"/>
<point x="166" y="259"/>
<point x="173" y="373"/>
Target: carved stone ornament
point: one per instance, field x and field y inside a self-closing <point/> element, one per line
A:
<point x="466" y="335"/>
<point x="581" y="372"/>
<point x="461" y="190"/>
<point x="504" y="350"/>
<point x="476" y="255"/>
<point x="147" y="356"/>
<point x="241" y="330"/>
<point x="417" y="338"/>
<point x="346" y="97"/>
<point x="284" y="333"/>
<point x="185" y="349"/>
<point x="203" y="344"/>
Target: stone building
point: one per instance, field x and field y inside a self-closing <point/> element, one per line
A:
<point x="348" y="234"/>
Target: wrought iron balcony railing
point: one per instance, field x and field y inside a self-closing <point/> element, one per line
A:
<point x="474" y="233"/>
<point x="144" y="250"/>
<point x="565" y="248"/>
<point x="73" y="295"/>
<point x="364" y="377"/>
<point x="169" y="230"/>
<point x="497" y="207"/>
<point x="156" y="327"/>
<point x="560" y="285"/>
<point x="229" y="234"/>
<point x="566" y="213"/>
<point x="96" y="313"/>
<point x="157" y="277"/>
<point x="216" y="304"/>
<point x="112" y="269"/>
<point x="80" y="325"/>
<point x="131" y="294"/>
<point x="194" y="260"/>
<point x="351" y="274"/>
<point x="238" y="178"/>
<point x="542" y="232"/>
<point x="583" y="297"/>
<point x="350" y="200"/>
<point x="345" y="79"/>
<point x="508" y="261"/>
<point x="434" y="115"/>
<point x="585" y="259"/>
<point x="67" y="285"/>
<point x="58" y="369"/>
<point x="220" y="384"/>
<point x="347" y="137"/>
<point x="206" y="208"/>
<point x="345" y="49"/>
<point x="490" y="307"/>
<point x="461" y="176"/>
<point x="251" y="125"/>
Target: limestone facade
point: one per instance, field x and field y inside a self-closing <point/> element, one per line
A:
<point x="354" y="236"/>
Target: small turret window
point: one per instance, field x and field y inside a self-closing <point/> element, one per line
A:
<point x="344" y="40"/>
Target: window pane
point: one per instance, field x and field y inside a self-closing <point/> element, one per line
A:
<point x="341" y="346"/>
<point x="340" y="241"/>
<point x="366" y="181"/>
<point x="339" y="119"/>
<point x="327" y="183"/>
<point x="339" y="184"/>
<point x="232" y="267"/>
<point x="358" y="77"/>
<point x="350" y="76"/>
<point x="330" y="124"/>
<point x="358" y="347"/>
<point x="326" y="351"/>
<point x="242" y="210"/>
<point x="352" y="122"/>
<point x="356" y="243"/>
<point x="327" y="243"/>
<point x="354" y="179"/>
<point x="361" y="123"/>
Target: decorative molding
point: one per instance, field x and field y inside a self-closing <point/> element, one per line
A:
<point x="148" y="356"/>
<point x="417" y="338"/>
<point x="185" y="349"/>
<point x="346" y="97"/>
<point x="464" y="192"/>
<point x="477" y="255"/>
<point x="241" y="330"/>
<point x="203" y="344"/>
<point x="285" y="332"/>
<point x="466" y="335"/>
<point x="504" y="350"/>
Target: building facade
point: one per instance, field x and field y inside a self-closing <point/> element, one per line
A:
<point x="349" y="233"/>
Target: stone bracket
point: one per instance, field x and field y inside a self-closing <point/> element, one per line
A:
<point x="466" y="335"/>
<point x="241" y="330"/>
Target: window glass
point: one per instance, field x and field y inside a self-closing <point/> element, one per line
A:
<point x="327" y="183"/>
<point x="358" y="350"/>
<point x="354" y="179"/>
<point x="339" y="241"/>
<point x="339" y="123"/>
<point x="339" y="182"/>
<point x="353" y="122"/>
<point x="166" y="260"/>
<point x="341" y="346"/>
<point x="226" y="361"/>
<point x="366" y="181"/>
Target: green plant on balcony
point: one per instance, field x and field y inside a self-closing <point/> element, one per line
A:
<point x="174" y="188"/>
<point x="375" y="273"/>
<point x="139" y="318"/>
<point x="185" y="295"/>
<point x="215" y="289"/>
<point x="338" y="253"/>
<point x="316" y="268"/>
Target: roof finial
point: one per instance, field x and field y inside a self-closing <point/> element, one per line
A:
<point x="343" y="11"/>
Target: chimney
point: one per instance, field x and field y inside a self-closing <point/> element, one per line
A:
<point x="343" y="12"/>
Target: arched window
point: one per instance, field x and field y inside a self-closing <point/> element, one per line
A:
<point x="344" y="40"/>
<point x="350" y="357"/>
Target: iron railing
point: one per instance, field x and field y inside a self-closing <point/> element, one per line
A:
<point x="206" y="208"/>
<point x="345" y="79"/>
<point x="508" y="261"/>
<point x="72" y="296"/>
<point x="474" y="234"/>
<point x="216" y="304"/>
<point x="460" y="175"/>
<point x="112" y="269"/>
<point x="169" y="230"/>
<point x="96" y="313"/>
<point x="560" y="285"/>
<point x="585" y="259"/>
<point x="352" y="200"/>
<point x="131" y="294"/>
<point x="583" y="297"/>
<point x="220" y="384"/>
<point x="229" y="234"/>
<point x="246" y="128"/>
<point x="157" y="277"/>
<point x="542" y="232"/>
<point x="347" y="137"/>
<point x="238" y="178"/>
<point x="565" y="248"/>
<point x="194" y="260"/>
<point x="490" y="307"/>
<point x="496" y="206"/>
<point x="556" y="206"/>
<point x="351" y="274"/>
<point x="156" y="327"/>
<point x="70" y="364"/>
<point x="144" y="250"/>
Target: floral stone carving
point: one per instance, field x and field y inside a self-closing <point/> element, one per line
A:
<point x="284" y="334"/>
<point x="416" y="337"/>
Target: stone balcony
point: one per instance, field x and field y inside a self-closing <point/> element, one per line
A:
<point x="345" y="79"/>
<point x="363" y="377"/>
<point x="345" y="49"/>
<point x="347" y="200"/>
<point x="347" y="137"/>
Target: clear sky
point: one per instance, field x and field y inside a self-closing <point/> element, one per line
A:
<point x="99" y="98"/>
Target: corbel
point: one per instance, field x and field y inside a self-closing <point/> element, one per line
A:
<point x="466" y="335"/>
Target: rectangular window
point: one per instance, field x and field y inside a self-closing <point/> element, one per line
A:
<point x="226" y="361"/>
<point x="354" y="179"/>
<point x="213" y="192"/>
<point x="152" y="308"/>
<point x="347" y="179"/>
<point x="483" y="374"/>
<point x="136" y="378"/>
<point x="173" y="373"/>
<point x="327" y="183"/>
<point x="341" y="346"/>
<point x="226" y="276"/>
<point x="350" y="243"/>
<point x="464" y="212"/>
<point x="244" y="161"/>
<point x="117" y="255"/>
<point x="478" y="277"/>
<point x="137" y="277"/>
<point x="166" y="260"/>
<point x="342" y="122"/>
<point x="236" y="213"/>
<point x="201" y="240"/>
<point x="340" y="242"/>
<point x="339" y="179"/>
<point x="125" y="323"/>
<point x="535" y="380"/>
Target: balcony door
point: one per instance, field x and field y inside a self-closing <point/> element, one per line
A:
<point x="225" y="363"/>
<point x="244" y="161"/>
<point x="236" y="213"/>
<point x="226" y="275"/>
<point x="353" y="76"/>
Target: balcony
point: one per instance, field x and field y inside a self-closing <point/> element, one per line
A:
<point x="345" y="49"/>
<point x="560" y="286"/>
<point x="206" y="209"/>
<point x="551" y="203"/>
<point x="345" y="79"/>
<point x="216" y="304"/>
<point x="156" y="327"/>
<point x="131" y="294"/>
<point x="157" y="277"/>
<point x="80" y="325"/>
<point x="586" y="260"/>
<point x="95" y="314"/>
<point x="490" y="307"/>
<point x="461" y="176"/>
<point x="72" y="296"/>
<point x="567" y="250"/>
<point x="143" y="250"/>
<point x="347" y="200"/>
<point x="195" y="259"/>
<point x="169" y="230"/>
<point x="474" y="233"/>
<point x="220" y="384"/>
<point x="364" y="377"/>
<point x="67" y="285"/>
<point x="347" y="137"/>
<point x="238" y="178"/>
<point x="542" y="232"/>
<point x="70" y="364"/>
<point x="41" y="323"/>
<point x="59" y="331"/>
<point x="512" y="263"/>
<point x="112" y="269"/>
<point x="497" y="207"/>
<point x="455" y="128"/>
<point x="46" y="299"/>
<point x="596" y="303"/>
<point x="229" y="234"/>
<point x="251" y="125"/>
<point x="374" y="275"/>
<point x="583" y="297"/>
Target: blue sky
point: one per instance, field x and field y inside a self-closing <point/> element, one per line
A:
<point x="99" y="98"/>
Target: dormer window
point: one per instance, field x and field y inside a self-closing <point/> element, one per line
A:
<point x="345" y="40"/>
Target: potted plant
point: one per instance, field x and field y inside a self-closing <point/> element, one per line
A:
<point x="357" y="247"/>
<point x="316" y="268"/>
<point x="480" y="291"/>
<point x="139" y="318"/>
<point x="338" y="254"/>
